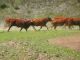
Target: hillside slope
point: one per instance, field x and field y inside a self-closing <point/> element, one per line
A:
<point x="39" y="8"/>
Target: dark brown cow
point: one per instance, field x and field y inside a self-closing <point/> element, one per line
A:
<point x="58" y="21"/>
<point x="73" y="21"/>
<point x="23" y="23"/>
<point x="40" y="22"/>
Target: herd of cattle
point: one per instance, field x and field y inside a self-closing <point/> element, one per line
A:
<point x="56" y="21"/>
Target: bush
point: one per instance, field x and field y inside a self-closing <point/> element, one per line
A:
<point x="16" y="8"/>
<point x="3" y="6"/>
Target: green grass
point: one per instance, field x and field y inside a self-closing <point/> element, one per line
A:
<point x="39" y="42"/>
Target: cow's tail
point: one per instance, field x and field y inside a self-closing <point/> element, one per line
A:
<point x="6" y="23"/>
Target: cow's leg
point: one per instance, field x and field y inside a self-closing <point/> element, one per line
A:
<point x="51" y="27"/>
<point x="40" y="28"/>
<point x="26" y="28"/>
<point x="65" y="26"/>
<point x="55" y="27"/>
<point x="34" y="28"/>
<point x="79" y="27"/>
<point x="70" y="26"/>
<point x="46" y="27"/>
<point x="21" y="28"/>
<point x="9" y="28"/>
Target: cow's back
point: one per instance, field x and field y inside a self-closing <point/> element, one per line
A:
<point x="59" y="20"/>
<point x="39" y="21"/>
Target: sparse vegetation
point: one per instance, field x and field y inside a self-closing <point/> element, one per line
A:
<point x="34" y="46"/>
<point x="40" y="8"/>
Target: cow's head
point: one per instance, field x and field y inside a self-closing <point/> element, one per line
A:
<point x="49" y="19"/>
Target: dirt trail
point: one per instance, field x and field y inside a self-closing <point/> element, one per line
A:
<point x="72" y="42"/>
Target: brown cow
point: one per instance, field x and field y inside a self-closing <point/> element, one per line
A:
<point x="73" y="21"/>
<point x="58" y="21"/>
<point x="40" y="22"/>
<point x="23" y="23"/>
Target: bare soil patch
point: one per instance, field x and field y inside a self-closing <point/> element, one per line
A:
<point x="72" y="42"/>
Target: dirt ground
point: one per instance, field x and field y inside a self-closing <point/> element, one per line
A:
<point x="72" y="42"/>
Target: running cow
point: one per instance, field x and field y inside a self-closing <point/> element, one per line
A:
<point x="40" y="22"/>
<point x="73" y="21"/>
<point x="22" y="23"/>
<point x="58" y="21"/>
